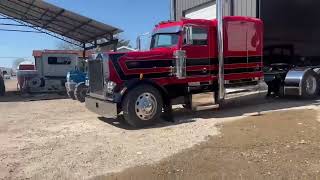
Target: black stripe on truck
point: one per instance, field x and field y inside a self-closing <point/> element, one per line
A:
<point x="115" y="61"/>
<point x="242" y="60"/>
<point x="242" y="70"/>
<point x="145" y="64"/>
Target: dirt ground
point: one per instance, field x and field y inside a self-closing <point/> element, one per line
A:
<point x="60" y="139"/>
<point x="280" y="145"/>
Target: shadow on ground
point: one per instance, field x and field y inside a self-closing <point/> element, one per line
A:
<point x="14" y="96"/>
<point x="251" y="105"/>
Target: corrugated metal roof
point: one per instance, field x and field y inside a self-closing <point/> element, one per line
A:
<point x="46" y="16"/>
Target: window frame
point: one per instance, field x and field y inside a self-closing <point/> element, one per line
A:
<point x="198" y="27"/>
<point x="155" y="40"/>
<point x="68" y="59"/>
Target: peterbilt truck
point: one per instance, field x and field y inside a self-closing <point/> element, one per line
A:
<point x="181" y="64"/>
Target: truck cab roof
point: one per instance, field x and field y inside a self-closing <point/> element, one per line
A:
<point x="203" y="22"/>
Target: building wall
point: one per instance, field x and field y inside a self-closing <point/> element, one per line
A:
<point x="245" y="8"/>
<point x="232" y="7"/>
<point x="182" y="5"/>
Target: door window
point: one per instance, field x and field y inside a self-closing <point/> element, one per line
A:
<point x="199" y="35"/>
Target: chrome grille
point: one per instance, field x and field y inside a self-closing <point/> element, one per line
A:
<point x="96" y="77"/>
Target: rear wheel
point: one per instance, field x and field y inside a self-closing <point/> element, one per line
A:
<point x="142" y="106"/>
<point x="2" y="87"/>
<point x="310" y="85"/>
<point x="81" y="92"/>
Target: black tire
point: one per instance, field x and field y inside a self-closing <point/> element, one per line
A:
<point x="2" y="87"/>
<point x="310" y="94"/>
<point x="129" y="106"/>
<point x="80" y="92"/>
<point x="71" y="95"/>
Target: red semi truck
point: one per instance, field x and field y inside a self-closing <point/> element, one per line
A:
<point x="182" y="63"/>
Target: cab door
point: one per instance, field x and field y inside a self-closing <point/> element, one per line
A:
<point x="198" y="52"/>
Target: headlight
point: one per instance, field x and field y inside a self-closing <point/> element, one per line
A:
<point x="87" y="82"/>
<point x="110" y="87"/>
<point x="68" y="77"/>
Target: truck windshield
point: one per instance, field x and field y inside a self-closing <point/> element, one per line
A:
<point x="164" y="40"/>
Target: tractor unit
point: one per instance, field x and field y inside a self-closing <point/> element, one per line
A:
<point x="183" y="62"/>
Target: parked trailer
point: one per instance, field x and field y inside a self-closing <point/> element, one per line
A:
<point x="183" y="62"/>
<point x="292" y="44"/>
<point x="49" y="75"/>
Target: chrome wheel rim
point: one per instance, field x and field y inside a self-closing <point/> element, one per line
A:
<point x="311" y="85"/>
<point x="146" y="106"/>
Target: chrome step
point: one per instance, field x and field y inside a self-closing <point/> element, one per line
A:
<point x="203" y="101"/>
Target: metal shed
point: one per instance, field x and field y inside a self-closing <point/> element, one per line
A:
<point x="205" y="9"/>
<point x="58" y="22"/>
<point x="287" y="23"/>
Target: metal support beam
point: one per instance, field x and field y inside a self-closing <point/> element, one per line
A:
<point x="81" y="25"/>
<point x="104" y="35"/>
<point x="17" y="25"/>
<point x="115" y="41"/>
<point x="84" y="51"/>
<point x="43" y="14"/>
<point x="38" y="29"/>
<point x="72" y="19"/>
<point x="21" y="21"/>
<point x="172" y="10"/>
<point x="51" y="12"/>
<point x="220" y="50"/>
<point x="17" y="30"/>
<point x="28" y="9"/>
<point x="53" y="18"/>
<point x="258" y="15"/>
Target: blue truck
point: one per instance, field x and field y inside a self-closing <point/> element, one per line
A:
<point x="76" y="85"/>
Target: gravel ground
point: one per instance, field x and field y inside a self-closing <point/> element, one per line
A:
<point x="278" y="145"/>
<point x="60" y="139"/>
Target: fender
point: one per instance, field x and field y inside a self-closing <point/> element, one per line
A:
<point x="293" y="81"/>
<point x="80" y="84"/>
<point x="135" y="82"/>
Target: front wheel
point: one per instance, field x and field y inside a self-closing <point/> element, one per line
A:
<point x="81" y="92"/>
<point x="142" y="106"/>
<point x="310" y="85"/>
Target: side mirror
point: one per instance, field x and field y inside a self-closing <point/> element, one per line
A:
<point x="188" y="34"/>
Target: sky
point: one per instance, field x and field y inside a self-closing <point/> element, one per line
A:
<point x="134" y="17"/>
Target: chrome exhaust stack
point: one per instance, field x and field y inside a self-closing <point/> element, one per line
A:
<point x="219" y="9"/>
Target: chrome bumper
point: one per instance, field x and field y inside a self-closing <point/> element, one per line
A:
<point x="103" y="108"/>
<point x="70" y="86"/>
